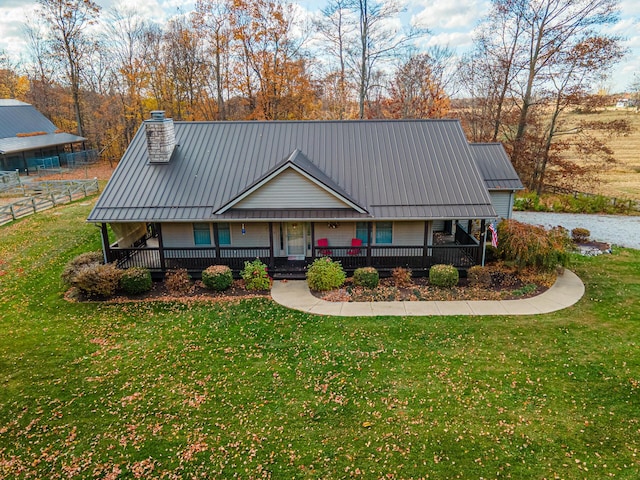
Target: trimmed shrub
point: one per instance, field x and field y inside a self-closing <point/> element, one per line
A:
<point x="479" y="276"/>
<point x="178" y="281"/>
<point x="445" y="276"/>
<point x="135" y="280"/>
<point x="98" y="280"/>
<point x="366" y="277"/>
<point x="579" y="235"/>
<point x="533" y="246"/>
<point x="255" y="275"/>
<point x="217" y="277"/>
<point x="325" y="274"/>
<point x="78" y="263"/>
<point x="401" y="277"/>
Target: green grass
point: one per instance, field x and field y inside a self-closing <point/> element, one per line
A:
<point x="255" y="390"/>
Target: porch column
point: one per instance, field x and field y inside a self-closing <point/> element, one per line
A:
<point x="483" y="243"/>
<point x="163" y="265"/>
<point x="106" y="248"/>
<point x="369" y="235"/>
<point x="271" y="258"/>
<point x="313" y="241"/>
<point x="216" y="239"/>
<point x="425" y="251"/>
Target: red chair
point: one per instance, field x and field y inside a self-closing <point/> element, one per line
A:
<point x="323" y="243"/>
<point x="356" y="243"/>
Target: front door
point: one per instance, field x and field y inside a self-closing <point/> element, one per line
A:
<point x="296" y="244"/>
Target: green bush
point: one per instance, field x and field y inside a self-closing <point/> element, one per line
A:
<point x="579" y="235"/>
<point x="78" y="263"/>
<point x="255" y="275"/>
<point x="98" y="280"/>
<point x="479" y="276"/>
<point x="443" y="276"/>
<point x="178" y="281"/>
<point x="366" y="277"/>
<point x="135" y="280"/>
<point x="325" y="274"/>
<point x="533" y="246"/>
<point x="217" y="277"/>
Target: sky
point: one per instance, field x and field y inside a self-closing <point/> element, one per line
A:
<point x="451" y="24"/>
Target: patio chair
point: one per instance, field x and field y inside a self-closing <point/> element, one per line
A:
<point x="356" y="243"/>
<point x="323" y="243"/>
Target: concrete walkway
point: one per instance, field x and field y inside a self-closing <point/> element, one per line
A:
<point x="295" y="294"/>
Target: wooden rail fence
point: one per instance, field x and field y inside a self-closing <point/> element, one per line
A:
<point x="622" y="202"/>
<point x="40" y="196"/>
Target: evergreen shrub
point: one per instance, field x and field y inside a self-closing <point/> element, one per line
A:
<point x="217" y="277"/>
<point x="445" y="276"/>
<point x="366" y="277"/>
<point x="325" y="274"/>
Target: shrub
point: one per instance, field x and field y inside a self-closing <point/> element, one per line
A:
<point x="217" y="277"/>
<point x="580" y="235"/>
<point x="479" y="276"/>
<point x="325" y="274"/>
<point x="401" y="277"/>
<point x="78" y="263"/>
<point x="443" y="276"/>
<point x="533" y="246"/>
<point x="366" y="277"/>
<point x="98" y="280"/>
<point x="178" y="281"/>
<point x="135" y="280"/>
<point x="255" y="275"/>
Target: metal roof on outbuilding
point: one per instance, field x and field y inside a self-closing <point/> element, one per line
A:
<point x="23" y="144"/>
<point x="395" y="169"/>
<point x="496" y="167"/>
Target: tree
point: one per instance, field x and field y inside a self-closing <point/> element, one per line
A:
<point x="68" y="21"/>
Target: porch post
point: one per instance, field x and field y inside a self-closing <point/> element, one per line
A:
<point x="369" y="235"/>
<point x="425" y="252"/>
<point x="483" y="243"/>
<point x="106" y="249"/>
<point x="271" y="259"/>
<point x="216" y="239"/>
<point x="163" y="265"/>
<point x="313" y="241"/>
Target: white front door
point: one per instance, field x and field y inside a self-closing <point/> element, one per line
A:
<point x="296" y="244"/>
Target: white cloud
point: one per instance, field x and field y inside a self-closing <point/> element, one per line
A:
<point x="448" y="14"/>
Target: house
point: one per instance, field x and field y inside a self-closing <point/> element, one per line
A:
<point x="193" y="194"/>
<point x="499" y="176"/>
<point x="29" y="141"/>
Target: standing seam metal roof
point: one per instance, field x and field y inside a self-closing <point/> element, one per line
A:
<point x="401" y="169"/>
<point x="496" y="167"/>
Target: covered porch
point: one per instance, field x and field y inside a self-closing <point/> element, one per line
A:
<point x="287" y="254"/>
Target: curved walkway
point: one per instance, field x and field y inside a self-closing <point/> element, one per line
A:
<point x="295" y="294"/>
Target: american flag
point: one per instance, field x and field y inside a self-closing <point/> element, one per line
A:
<point x="494" y="235"/>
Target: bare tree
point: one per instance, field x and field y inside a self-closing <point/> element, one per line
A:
<point x="68" y="21"/>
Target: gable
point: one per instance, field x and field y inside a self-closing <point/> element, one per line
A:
<point x="291" y="190"/>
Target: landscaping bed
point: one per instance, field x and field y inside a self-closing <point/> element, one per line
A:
<point x="506" y="284"/>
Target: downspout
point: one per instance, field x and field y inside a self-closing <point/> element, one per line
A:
<point x="106" y="249"/>
<point x="483" y="237"/>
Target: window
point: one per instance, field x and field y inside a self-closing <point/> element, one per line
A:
<point x="362" y="232"/>
<point x="224" y="234"/>
<point x="201" y="234"/>
<point x="384" y="232"/>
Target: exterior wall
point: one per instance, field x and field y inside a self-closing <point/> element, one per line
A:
<point x="181" y="235"/>
<point x="404" y="233"/>
<point x="502" y="202"/>
<point x="290" y="190"/>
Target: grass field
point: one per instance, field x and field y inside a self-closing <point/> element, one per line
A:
<point x="623" y="179"/>
<point x="253" y="390"/>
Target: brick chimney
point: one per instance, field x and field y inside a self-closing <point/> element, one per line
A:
<point x="161" y="138"/>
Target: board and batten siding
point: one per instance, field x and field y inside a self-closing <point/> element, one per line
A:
<point x="502" y="203"/>
<point x="290" y="190"/>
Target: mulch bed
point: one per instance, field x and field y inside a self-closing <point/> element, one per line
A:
<point x="160" y="293"/>
<point x="506" y="284"/>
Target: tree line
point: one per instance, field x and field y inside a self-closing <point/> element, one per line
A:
<point x="100" y="73"/>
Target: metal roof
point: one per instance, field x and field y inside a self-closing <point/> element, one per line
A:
<point x="17" y="118"/>
<point x="23" y="144"/>
<point x="495" y="166"/>
<point x="400" y="169"/>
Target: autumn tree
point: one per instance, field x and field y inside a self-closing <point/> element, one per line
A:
<point x="68" y="21"/>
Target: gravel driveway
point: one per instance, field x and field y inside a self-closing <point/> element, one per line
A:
<point x="614" y="229"/>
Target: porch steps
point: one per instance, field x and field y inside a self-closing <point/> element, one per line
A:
<point x="289" y="276"/>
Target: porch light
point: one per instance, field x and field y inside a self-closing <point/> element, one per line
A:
<point x="243" y="229"/>
<point x="333" y="224"/>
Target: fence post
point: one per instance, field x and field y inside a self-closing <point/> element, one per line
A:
<point x="13" y="215"/>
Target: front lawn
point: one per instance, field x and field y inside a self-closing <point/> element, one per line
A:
<point x="253" y="390"/>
